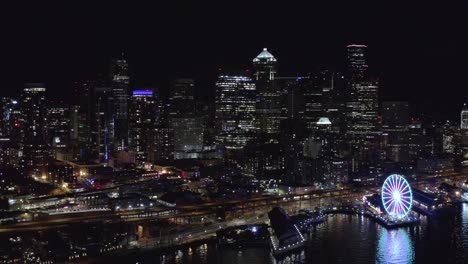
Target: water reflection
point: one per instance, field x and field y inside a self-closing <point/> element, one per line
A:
<point x="394" y="246"/>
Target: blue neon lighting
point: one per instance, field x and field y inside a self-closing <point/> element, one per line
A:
<point x="142" y="92"/>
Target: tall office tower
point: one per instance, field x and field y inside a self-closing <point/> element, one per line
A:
<point x="463" y="146"/>
<point x="448" y="136"/>
<point x="363" y="125"/>
<point x="9" y="132"/>
<point x="311" y="88"/>
<point x="186" y="123"/>
<point x="298" y="168"/>
<point x="188" y="137"/>
<point x="58" y="125"/>
<point x="33" y="124"/>
<point x="363" y="108"/>
<point x="268" y="108"/>
<point x="356" y="62"/>
<point x="7" y="117"/>
<point x="333" y="101"/>
<point x="81" y="119"/>
<point x="464" y="117"/>
<point x="395" y="121"/>
<point x="181" y="98"/>
<point x="143" y="118"/>
<point x="162" y="147"/>
<point x="235" y="110"/>
<point x="120" y="82"/>
<point x="103" y="130"/>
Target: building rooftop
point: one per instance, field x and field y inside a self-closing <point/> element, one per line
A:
<point x="356" y="46"/>
<point x="265" y="55"/>
<point x="324" y="121"/>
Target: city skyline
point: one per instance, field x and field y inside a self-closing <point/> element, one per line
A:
<point x="228" y="133"/>
<point x="414" y="57"/>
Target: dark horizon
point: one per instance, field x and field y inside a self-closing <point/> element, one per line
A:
<point x="416" y="57"/>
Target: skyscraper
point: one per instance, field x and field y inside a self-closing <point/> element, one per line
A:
<point x="34" y="129"/>
<point x="268" y="109"/>
<point x="181" y="98"/>
<point x="395" y="122"/>
<point x="103" y="129"/>
<point x="188" y="137"/>
<point x="363" y="108"/>
<point x="9" y="118"/>
<point x="142" y="122"/>
<point x="356" y="62"/>
<point x="82" y="118"/>
<point x="362" y="118"/>
<point x="464" y="117"/>
<point x="58" y="127"/>
<point x="186" y="123"/>
<point x="162" y="147"/>
<point x="120" y="82"/>
<point x="235" y="110"/>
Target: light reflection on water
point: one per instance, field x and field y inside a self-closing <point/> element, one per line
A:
<point x="395" y="246"/>
<point x="347" y="239"/>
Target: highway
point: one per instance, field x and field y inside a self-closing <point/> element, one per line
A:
<point x="251" y="206"/>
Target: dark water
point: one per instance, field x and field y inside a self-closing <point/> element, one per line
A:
<point x="349" y="239"/>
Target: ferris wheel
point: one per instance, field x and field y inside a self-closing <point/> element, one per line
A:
<point x="397" y="197"/>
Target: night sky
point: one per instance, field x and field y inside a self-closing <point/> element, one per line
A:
<point x="418" y="50"/>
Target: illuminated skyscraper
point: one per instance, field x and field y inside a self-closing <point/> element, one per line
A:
<point x="142" y="122"/>
<point x="268" y="112"/>
<point x="363" y="108"/>
<point x="120" y="82"/>
<point x="464" y="117"/>
<point x="103" y="129"/>
<point x="235" y="110"/>
<point x="9" y="118"/>
<point x="356" y="62"/>
<point x="362" y="118"/>
<point x="185" y="122"/>
<point x="58" y="117"/>
<point x="81" y="118"/>
<point x="181" y="98"/>
<point x="188" y="137"/>
<point x="34" y="129"/>
<point x="395" y="122"/>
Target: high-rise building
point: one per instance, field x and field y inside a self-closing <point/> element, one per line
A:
<point x="186" y="123"/>
<point x="142" y="122"/>
<point x="356" y="62"/>
<point x="162" y="147"/>
<point x="363" y="130"/>
<point x="188" y="137"/>
<point x="81" y="119"/>
<point x="9" y="118"/>
<point x="34" y="130"/>
<point x="58" y="127"/>
<point x="120" y="83"/>
<point x="103" y="129"/>
<point x="268" y="108"/>
<point x="333" y="102"/>
<point x="395" y="121"/>
<point x="9" y="131"/>
<point x="181" y="98"/>
<point x="235" y="110"/>
<point x="363" y="108"/>
<point x="464" y="117"/>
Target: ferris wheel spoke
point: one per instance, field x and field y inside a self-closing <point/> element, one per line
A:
<point x="407" y="204"/>
<point x="405" y="192"/>
<point x="388" y="202"/>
